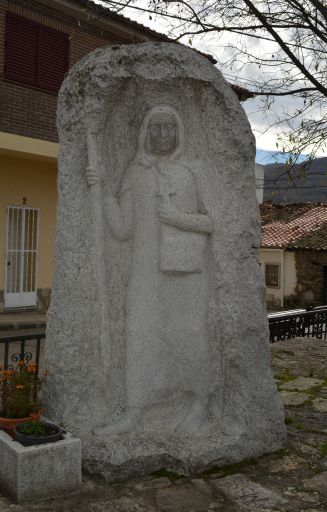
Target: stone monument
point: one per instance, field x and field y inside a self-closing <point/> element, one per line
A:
<point x="157" y="337"/>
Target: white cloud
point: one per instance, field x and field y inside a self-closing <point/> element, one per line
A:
<point x="218" y="46"/>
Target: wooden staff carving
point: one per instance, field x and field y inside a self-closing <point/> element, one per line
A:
<point x="93" y="180"/>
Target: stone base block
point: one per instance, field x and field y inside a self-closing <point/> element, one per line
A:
<point x="35" y="472"/>
<point x="126" y="456"/>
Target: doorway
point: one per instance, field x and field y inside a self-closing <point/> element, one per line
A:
<point x="21" y="256"/>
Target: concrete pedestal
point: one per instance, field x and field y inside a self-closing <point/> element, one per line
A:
<point x="40" y="471"/>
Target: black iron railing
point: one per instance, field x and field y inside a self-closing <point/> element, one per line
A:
<point x="284" y="326"/>
<point x="15" y="348"/>
<point x="298" y="324"/>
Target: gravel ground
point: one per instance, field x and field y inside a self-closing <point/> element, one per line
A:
<point x="292" y="480"/>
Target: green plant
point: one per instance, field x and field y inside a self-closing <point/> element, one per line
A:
<point x="284" y="377"/>
<point x="231" y="468"/>
<point x="299" y="426"/>
<point x="19" y="391"/>
<point x="32" y="428"/>
<point x="323" y="449"/>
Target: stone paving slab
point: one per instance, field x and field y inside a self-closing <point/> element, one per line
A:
<point x="292" y="398"/>
<point x="293" y="480"/>
<point x="248" y="495"/>
<point x="302" y="384"/>
<point x="17" y="323"/>
<point x="320" y="404"/>
<point x="27" y="317"/>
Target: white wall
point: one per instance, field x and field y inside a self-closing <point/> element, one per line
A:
<point x="287" y="274"/>
<point x="259" y="178"/>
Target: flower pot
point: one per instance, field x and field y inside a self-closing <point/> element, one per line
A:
<point x="9" y="424"/>
<point x="53" y="434"/>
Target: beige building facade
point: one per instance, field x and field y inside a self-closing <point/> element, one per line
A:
<point x="56" y="32"/>
<point x="28" y="199"/>
<point x="39" y="41"/>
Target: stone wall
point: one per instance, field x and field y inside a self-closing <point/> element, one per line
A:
<point x="43" y="299"/>
<point x="310" y="279"/>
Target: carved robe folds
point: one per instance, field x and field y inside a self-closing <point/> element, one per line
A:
<point x="157" y="335"/>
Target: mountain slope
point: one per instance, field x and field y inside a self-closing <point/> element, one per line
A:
<point x="309" y="185"/>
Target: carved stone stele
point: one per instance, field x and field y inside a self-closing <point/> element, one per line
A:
<point x="157" y="340"/>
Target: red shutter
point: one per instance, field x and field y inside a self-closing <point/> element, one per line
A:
<point x="20" y="49"/>
<point x="52" y="59"/>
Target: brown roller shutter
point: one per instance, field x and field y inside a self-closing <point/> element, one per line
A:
<point x="35" y="54"/>
<point x="52" y="59"/>
<point x="21" y="49"/>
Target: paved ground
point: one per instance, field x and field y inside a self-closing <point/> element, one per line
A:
<point x="293" y="480"/>
<point x="19" y="320"/>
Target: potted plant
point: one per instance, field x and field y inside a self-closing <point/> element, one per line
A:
<point x="37" y="432"/>
<point x="19" y="396"/>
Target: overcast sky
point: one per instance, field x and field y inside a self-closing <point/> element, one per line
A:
<point x="216" y="45"/>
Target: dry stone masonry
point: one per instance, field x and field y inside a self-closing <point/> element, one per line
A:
<point x="157" y="337"/>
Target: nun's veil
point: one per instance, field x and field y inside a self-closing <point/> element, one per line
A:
<point x="143" y="143"/>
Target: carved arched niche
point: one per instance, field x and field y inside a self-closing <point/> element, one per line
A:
<point x="102" y="105"/>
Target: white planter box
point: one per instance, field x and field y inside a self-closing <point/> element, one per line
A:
<point x="40" y="471"/>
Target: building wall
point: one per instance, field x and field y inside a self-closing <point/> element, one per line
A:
<point x="302" y="278"/>
<point x="30" y="111"/>
<point x="289" y="274"/>
<point x="278" y="297"/>
<point x="259" y="171"/>
<point x="28" y="119"/>
<point x="34" y="180"/>
<point x="310" y="277"/>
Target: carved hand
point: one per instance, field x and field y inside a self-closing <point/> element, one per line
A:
<point x="91" y="176"/>
<point x="169" y="215"/>
<point x="196" y="222"/>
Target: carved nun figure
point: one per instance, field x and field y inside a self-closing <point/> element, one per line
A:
<point x="161" y="209"/>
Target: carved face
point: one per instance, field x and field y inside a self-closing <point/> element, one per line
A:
<point x="162" y="133"/>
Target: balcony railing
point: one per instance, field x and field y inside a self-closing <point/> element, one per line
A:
<point x="282" y="326"/>
<point x="25" y="347"/>
<point x="298" y="324"/>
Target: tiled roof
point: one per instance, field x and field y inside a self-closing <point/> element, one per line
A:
<point x="104" y="11"/>
<point x="294" y="226"/>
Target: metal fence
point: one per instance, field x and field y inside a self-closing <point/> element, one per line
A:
<point x="26" y="347"/>
<point x="298" y="324"/>
<point x="282" y="326"/>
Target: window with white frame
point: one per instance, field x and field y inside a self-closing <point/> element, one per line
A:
<point x="272" y="275"/>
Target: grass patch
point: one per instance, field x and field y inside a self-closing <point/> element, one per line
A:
<point x="285" y="351"/>
<point x="289" y="420"/>
<point x="299" y="426"/>
<point x="231" y="469"/>
<point x="235" y="468"/>
<point x="284" y="377"/>
<point x="277" y="455"/>
<point x="162" y="472"/>
<point x="323" y="449"/>
<point x="312" y="393"/>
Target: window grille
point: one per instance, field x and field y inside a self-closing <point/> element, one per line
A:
<point x="272" y="276"/>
